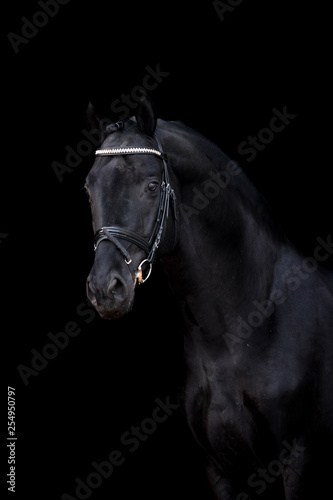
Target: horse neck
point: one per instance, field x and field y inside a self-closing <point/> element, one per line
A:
<point x="226" y="252"/>
<point x="227" y="260"/>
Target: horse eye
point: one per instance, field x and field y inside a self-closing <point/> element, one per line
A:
<point x="152" y="186"/>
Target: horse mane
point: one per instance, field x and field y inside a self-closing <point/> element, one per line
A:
<point x="187" y="142"/>
<point x="211" y="158"/>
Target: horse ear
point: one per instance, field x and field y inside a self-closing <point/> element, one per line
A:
<point x="95" y="123"/>
<point x="93" y="120"/>
<point x="145" y="115"/>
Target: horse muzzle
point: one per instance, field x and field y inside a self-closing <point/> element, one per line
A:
<point x="111" y="298"/>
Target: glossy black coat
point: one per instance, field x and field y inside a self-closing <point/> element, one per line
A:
<point x="259" y="315"/>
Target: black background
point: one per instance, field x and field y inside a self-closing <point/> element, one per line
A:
<point x="225" y="78"/>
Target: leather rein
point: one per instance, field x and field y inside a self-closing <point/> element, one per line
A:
<point x="150" y="246"/>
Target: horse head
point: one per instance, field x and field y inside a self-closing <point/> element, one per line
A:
<point x="130" y="193"/>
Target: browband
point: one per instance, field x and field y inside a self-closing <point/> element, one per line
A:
<point x="129" y="151"/>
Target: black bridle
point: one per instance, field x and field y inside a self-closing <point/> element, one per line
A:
<point x="150" y="246"/>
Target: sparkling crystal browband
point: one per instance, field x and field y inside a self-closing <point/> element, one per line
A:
<point x="127" y="151"/>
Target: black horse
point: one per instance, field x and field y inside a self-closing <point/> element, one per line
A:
<point x="259" y="345"/>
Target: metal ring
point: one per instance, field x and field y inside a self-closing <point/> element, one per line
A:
<point x="149" y="272"/>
